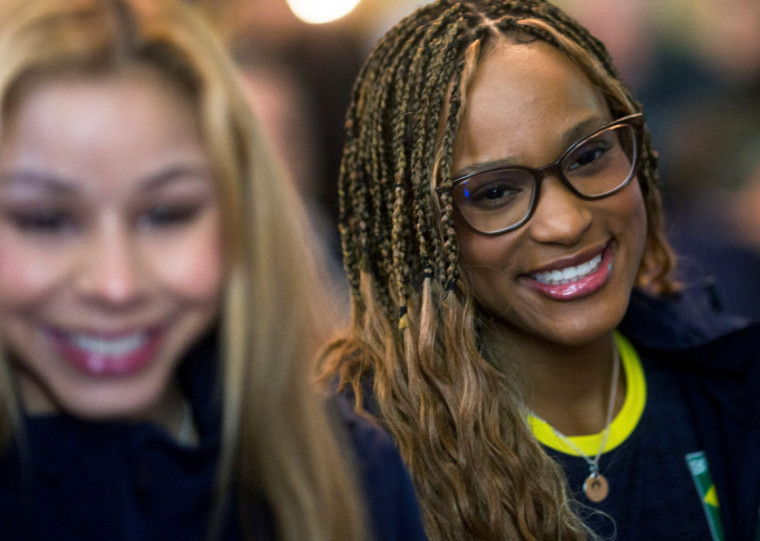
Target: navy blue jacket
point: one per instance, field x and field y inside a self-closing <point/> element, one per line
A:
<point x="718" y="357"/>
<point x="68" y="479"/>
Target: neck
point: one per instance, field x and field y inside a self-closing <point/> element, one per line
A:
<point x="567" y="386"/>
<point x="171" y="413"/>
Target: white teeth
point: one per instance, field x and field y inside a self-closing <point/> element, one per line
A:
<point x="568" y="274"/>
<point x="111" y="347"/>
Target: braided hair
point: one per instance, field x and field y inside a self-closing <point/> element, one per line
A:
<point x="455" y="412"/>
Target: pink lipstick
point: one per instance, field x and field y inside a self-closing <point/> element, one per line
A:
<point x="107" y="354"/>
<point x="574" y="280"/>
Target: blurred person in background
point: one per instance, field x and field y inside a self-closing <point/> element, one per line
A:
<point x="516" y="324"/>
<point x="160" y="300"/>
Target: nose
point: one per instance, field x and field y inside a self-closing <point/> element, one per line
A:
<point x="560" y="216"/>
<point x="110" y="270"/>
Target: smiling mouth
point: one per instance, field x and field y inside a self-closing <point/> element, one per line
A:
<point x="108" y="346"/>
<point x="104" y="354"/>
<point x="568" y="274"/>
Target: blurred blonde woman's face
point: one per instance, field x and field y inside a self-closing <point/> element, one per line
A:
<point x="110" y="242"/>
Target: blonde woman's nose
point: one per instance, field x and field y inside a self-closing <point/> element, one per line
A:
<point x="110" y="268"/>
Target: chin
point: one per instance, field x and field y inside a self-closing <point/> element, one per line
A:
<point x="112" y="400"/>
<point x="581" y="333"/>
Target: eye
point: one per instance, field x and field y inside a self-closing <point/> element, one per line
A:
<point x="493" y="195"/>
<point x="589" y="157"/>
<point x="168" y="215"/>
<point x="496" y="191"/>
<point x="47" y="221"/>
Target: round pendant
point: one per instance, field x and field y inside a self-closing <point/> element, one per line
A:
<point x="596" y="487"/>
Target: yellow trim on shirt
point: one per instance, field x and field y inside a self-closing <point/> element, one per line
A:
<point x="624" y="422"/>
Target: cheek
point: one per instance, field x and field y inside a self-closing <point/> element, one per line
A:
<point x="484" y="254"/>
<point x="638" y="221"/>
<point x="485" y="265"/>
<point x="191" y="267"/>
<point x="473" y="252"/>
<point x="27" y="272"/>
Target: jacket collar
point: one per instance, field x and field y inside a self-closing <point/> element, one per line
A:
<point x="82" y="439"/>
<point x="684" y="320"/>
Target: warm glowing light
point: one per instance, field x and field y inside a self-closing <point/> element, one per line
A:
<point x="321" y="11"/>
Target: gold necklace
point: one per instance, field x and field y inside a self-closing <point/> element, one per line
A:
<point x="596" y="487"/>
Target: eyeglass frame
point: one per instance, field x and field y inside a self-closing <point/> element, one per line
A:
<point x="636" y="121"/>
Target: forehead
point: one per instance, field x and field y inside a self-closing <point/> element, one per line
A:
<point x="78" y="92"/>
<point x="101" y="130"/>
<point x="523" y="97"/>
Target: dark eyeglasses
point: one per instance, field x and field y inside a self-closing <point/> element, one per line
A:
<point x="600" y="164"/>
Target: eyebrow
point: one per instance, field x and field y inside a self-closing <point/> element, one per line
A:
<point x="43" y="181"/>
<point x="172" y="174"/>
<point x="577" y="132"/>
<point x="59" y="185"/>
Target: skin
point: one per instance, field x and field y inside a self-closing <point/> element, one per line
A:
<point x="110" y="230"/>
<point x="527" y="104"/>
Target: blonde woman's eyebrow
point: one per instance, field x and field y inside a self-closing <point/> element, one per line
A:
<point x="175" y="173"/>
<point x="38" y="180"/>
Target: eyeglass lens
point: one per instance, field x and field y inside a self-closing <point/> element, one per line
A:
<point x="499" y="199"/>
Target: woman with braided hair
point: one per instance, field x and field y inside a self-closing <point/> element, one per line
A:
<point x="515" y="324"/>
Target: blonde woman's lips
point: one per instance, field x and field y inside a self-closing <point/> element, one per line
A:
<point x="103" y="354"/>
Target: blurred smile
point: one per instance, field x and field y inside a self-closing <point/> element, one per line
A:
<point x="107" y="353"/>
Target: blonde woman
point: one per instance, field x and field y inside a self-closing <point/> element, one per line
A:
<point x="158" y="303"/>
<point x="516" y="325"/>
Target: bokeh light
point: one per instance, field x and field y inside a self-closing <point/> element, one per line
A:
<point x="321" y="11"/>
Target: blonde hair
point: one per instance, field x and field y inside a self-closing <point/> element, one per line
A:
<point x="453" y="406"/>
<point x="277" y="439"/>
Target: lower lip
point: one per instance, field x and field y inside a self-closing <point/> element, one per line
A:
<point x="103" y="365"/>
<point x="580" y="288"/>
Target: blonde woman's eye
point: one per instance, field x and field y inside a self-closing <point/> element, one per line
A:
<point x="166" y="216"/>
<point x="42" y="221"/>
